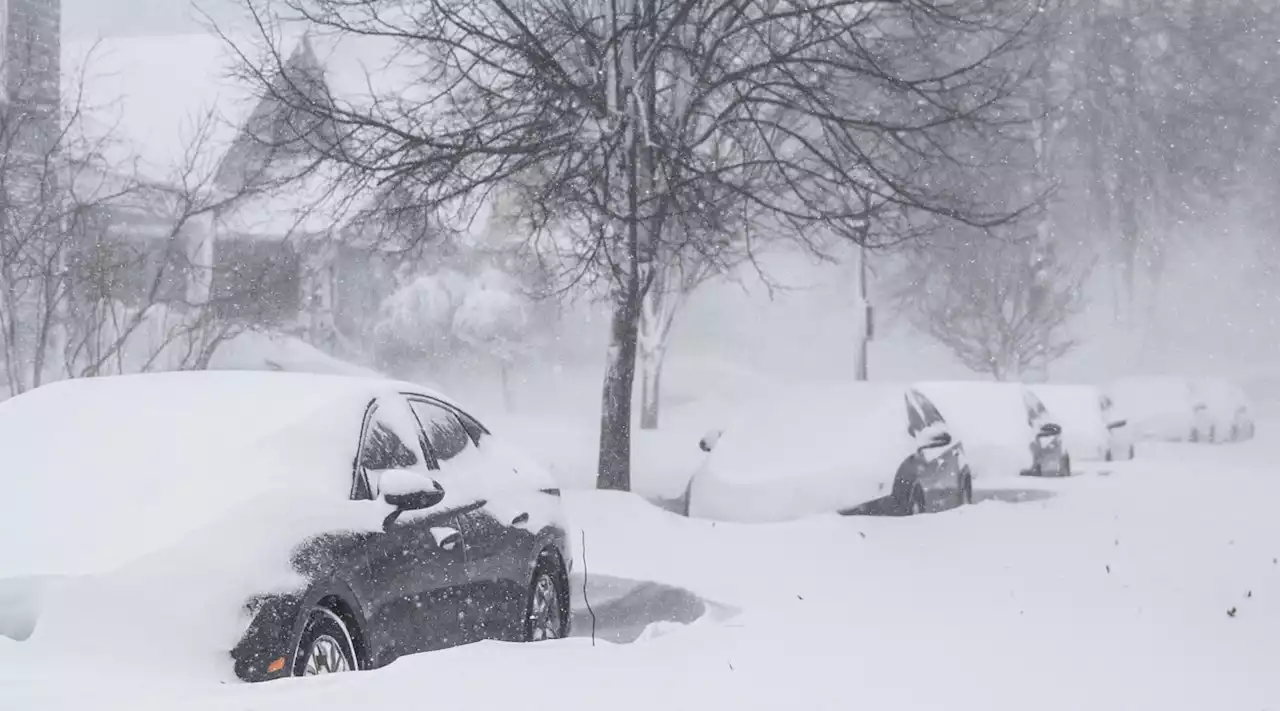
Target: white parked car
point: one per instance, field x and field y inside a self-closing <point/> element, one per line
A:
<point x="1228" y="409"/>
<point x="1007" y="431"/>
<point x="1163" y="408"/>
<point x="1093" y="426"/>
<point x="847" y="447"/>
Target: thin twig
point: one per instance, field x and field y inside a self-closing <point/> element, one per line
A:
<point x="585" y="599"/>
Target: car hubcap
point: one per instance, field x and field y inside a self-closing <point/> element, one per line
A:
<point x="325" y="657"/>
<point x="544" y="618"/>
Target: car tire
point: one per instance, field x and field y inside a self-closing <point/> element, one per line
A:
<point x="546" y="617"/>
<point x="915" y="503"/>
<point x="326" y="645"/>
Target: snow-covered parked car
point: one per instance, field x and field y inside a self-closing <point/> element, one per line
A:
<point x="1093" y="427"/>
<point x="1162" y="408"/>
<point x="847" y="447"/>
<point x="1006" y="429"/>
<point x="1227" y="407"/>
<point x="270" y="524"/>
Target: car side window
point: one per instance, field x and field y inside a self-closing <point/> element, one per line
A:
<point x="915" y="421"/>
<point x="931" y="414"/>
<point x="382" y="447"/>
<point x="473" y="428"/>
<point x="445" y="431"/>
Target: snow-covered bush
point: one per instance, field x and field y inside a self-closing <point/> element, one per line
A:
<point x="447" y="317"/>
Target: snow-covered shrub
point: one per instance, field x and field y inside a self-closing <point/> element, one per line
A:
<point x="448" y="318"/>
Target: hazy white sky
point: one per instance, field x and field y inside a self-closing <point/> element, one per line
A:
<point x="140" y="17"/>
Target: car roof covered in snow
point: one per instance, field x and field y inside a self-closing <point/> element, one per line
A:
<point x="1075" y="407"/>
<point x="982" y="411"/>
<point x="95" y="466"/>
<point x="810" y="429"/>
<point x="1153" y="393"/>
<point x="1061" y="395"/>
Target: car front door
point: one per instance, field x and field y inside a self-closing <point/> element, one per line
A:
<point x="499" y="541"/>
<point x="417" y="567"/>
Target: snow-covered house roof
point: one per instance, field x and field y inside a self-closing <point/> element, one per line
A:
<point x="158" y="97"/>
<point x="158" y="104"/>
<point x="179" y="110"/>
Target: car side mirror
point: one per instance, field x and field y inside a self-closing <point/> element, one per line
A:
<point x="1117" y="424"/>
<point x="709" y="440"/>
<point x="409" y="490"/>
<point x="933" y="437"/>
<point x="1050" y="429"/>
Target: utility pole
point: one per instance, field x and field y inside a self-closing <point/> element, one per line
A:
<point x="864" y="306"/>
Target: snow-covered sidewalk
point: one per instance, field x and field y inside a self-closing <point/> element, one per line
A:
<point x="1154" y="586"/>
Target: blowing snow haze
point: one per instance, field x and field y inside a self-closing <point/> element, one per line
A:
<point x="742" y="354"/>
<point x="142" y="17"/>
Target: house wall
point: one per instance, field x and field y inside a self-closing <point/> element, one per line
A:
<point x="32" y="62"/>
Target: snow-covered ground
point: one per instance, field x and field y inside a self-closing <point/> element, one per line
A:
<point x="1155" y="585"/>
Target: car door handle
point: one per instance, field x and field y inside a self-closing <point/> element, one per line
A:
<point x="445" y="537"/>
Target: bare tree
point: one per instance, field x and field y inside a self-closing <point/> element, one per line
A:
<point x="102" y="270"/>
<point x="1002" y="308"/>
<point x="612" y="120"/>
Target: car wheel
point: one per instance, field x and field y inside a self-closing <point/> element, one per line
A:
<point x="325" y="646"/>
<point x="545" y="618"/>
<point x="915" y="504"/>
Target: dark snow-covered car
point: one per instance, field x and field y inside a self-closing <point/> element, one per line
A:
<point x="286" y="524"/>
<point x="1048" y="452"/>
<point x="844" y="447"/>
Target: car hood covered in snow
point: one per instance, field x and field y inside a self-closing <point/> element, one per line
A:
<point x="812" y="450"/>
<point x="101" y="471"/>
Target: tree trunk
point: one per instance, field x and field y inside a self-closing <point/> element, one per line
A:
<point x="650" y="386"/>
<point x="504" y="375"/>
<point x="619" y="378"/>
